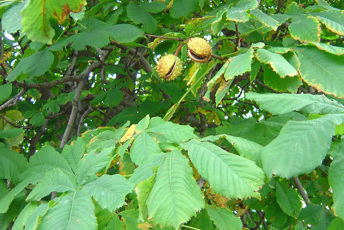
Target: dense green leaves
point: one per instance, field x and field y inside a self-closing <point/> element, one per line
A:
<point x="93" y="138"/>
<point x="175" y="196"/>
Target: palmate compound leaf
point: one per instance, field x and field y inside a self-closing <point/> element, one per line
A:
<point x="109" y="191"/>
<point x="322" y="70"/>
<point x="38" y="14"/>
<point x="54" y="180"/>
<point x="228" y="174"/>
<point x="73" y="212"/>
<point x="300" y="147"/>
<point x="284" y="103"/>
<point x="336" y="181"/>
<point x="175" y="196"/>
<point x="223" y="218"/>
<point x="92" y="162"/>
<point x="265" y="19"/>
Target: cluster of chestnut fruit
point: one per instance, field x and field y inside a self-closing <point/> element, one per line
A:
<point x="170" y="66"/>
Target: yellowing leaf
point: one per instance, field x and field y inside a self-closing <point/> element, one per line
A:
<point x="129" y="134"/>
<point x="38" y="14"/>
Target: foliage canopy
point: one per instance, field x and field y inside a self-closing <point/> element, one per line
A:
<point x="92" y="138"/>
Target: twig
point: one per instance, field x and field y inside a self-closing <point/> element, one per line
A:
<point x="237" y="41"/>
<point x="13" y="100"/>
<point x="14" y="124"/>
<point x="262" y="219"/>
<point x="37" y="137"/>
<point x="82" y="118"/>
<point x="301" y="190"/>
<point x="73" y="114"/>
<point x="265" y="86"/>
<point x="162" y="37"/>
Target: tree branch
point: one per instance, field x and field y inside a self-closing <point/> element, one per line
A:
<point x="82" y="118"/>
<point x="73" y="114"/>
<point x="301" y="190"/>
<point x="13" y="100"/>
<point x="37" y="137"/>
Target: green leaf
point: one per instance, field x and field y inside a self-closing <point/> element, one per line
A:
<point x="316" y="215"/>
<point x="94" y="33"/>
<point x="5" y="92"/>
<point x="131" y="217"/>
<point x="74" y="152"/>
<point x="12" y="164"/>
<point x="230" y="175"/>
<point x="300" y="147"/>
<point x="11" y="19"/>
<point x="239" y="65"/>
<point x="37" y="16"/>
<point x="6" y="200"/>
<point x="139" y="16"/>
<point x="109" y="191"/>
<point x="181" y="8"/>
<point x="265" y="19"/>
<point x="175" y="197"/>
<point x="333" y="20"/>
<point x="54" y="180"/>
<point x="337" y="224"/>
<point x="245" y="148"/>
<point x="336" y="181"/>
<point x="23" y="216"/>
<point x="143" y="148"/>
<point x="113" y="97"/>
<point x="336" y="50"/>
<point x="124" y="33"/>
<point x="285" y="103"/>
<point x="143" y="189"/>
<point x="35" y="217"/>
<point x="275" y="215"/>
<point x="37" y="119"/>
<point x="238" y="13"/>
<point x="8" y="133"/>
<point x="42" y="162"/>
<point x="73" y="211"/>
<point x="321" y="70"/>
<point x="278" y="63"/>
<point x="92" y="163"/>
<point x="305" y="28"/>
<point x="28" y="65"/>
<point x="108" y="221"/>
<point x="223" y="218"/>
<point x="288" y="200"/>
<point x="174" y="132"/>
<point x="145" y="171"/>
<point x="154" y="7"/>
<point x="276" y="82"/>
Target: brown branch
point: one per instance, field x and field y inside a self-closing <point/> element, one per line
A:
<point x="37" y="137"/>
<point x="265" y="86"/>
<point x="162" y="37"/>
<point x="301" y="190"/>
<point x="82" y="118"/>
<point x="73" y="114"/>
<point x="13" y="100"/>
<point x="14" y="124"/>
